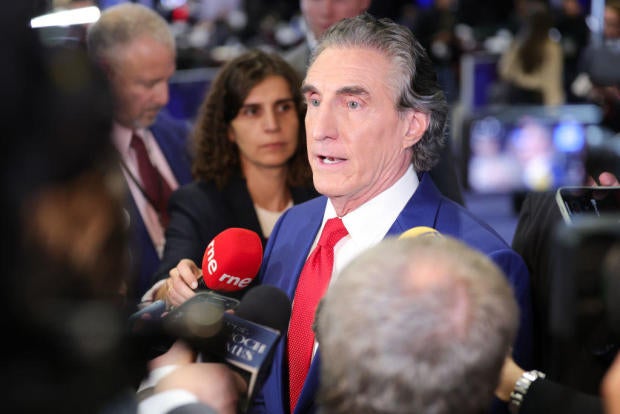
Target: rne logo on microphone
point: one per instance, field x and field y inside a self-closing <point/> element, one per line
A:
<point x="235" y="281"/>
<point x="211" y="262"/>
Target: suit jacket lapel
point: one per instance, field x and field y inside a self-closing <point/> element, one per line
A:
<point x="167" y="134"/>
<point x="421" y="209"/>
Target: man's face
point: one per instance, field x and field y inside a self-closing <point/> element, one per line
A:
<point x="139" y="74"/>
<point x="320" y="14"/>
<point x="358" y="143"/>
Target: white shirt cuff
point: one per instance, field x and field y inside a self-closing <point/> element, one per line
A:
<point x="165" y="401"/>
<point x="156" y="375"/>
<point x="149" y="296"/>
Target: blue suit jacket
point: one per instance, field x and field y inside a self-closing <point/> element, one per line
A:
<point x="292" y="239"/>
<point x="171" y="136"/>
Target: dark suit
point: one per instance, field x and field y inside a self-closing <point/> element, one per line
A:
<point x="199" y="212"/>
<point x="171" y="136"/>
<point x="292" y="239"/>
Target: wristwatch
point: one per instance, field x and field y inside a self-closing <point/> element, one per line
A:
<point x="521" y="387"/>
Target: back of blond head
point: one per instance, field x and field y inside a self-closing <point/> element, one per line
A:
<point x="121" y="24"/>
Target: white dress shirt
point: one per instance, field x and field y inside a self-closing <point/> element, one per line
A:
<point x="368" y="224"/>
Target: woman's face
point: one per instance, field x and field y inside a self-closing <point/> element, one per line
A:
<point x="266" y="128"/>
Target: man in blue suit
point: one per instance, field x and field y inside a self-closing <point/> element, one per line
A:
<point x="375" y="125"/>
<point x="136" y="49"/>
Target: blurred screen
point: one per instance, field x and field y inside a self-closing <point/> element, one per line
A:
<point x="526" y="152"/>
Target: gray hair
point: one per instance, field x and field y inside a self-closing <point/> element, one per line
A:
<point x="414" y="81"/>
<point x="415" y="325"/>
<point x="123" y="23"/>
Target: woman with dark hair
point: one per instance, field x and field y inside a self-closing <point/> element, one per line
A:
<point x="532" y="67"/>
<point x="250" y="161"/>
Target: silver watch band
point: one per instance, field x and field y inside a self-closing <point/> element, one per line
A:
<point x="520" y="389"/>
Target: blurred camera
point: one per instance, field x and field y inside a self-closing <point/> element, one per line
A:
<point x="584" y="295"/>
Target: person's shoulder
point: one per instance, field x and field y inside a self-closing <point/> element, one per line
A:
<point x="305" y="209"/>
<point x="197" y="190"/>
<point x="469" y="227"/>
<point x="166" y="122"/>
<point x="298" y="57"/>
<point x="301" y="51"/>
<point x="302" y="194"/>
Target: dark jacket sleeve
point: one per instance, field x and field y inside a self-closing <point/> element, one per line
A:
<point x="195" y="218"/>
<point x="546" y="396"/>
<point x="533" y="240"/>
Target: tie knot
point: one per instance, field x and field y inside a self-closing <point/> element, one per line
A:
<point x="333" y="231"/>
<point x="136" y="141"/>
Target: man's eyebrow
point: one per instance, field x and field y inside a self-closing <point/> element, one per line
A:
<point x="345" y="90"/>
<point x="352" y="90"/>
<point x="307" y="88"/>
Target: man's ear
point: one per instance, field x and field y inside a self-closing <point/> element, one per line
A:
<point x="417" y="124"/>
<point x="107" y="68"/>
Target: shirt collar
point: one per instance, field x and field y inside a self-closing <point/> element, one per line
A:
<point x="370" y="222"/>
<point x="121" y="136"/>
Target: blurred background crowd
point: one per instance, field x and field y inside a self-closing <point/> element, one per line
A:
<point x="533" y="89"/>
<point x="488" y="55"/>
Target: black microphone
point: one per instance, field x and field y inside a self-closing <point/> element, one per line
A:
<point x="249" y="336"/>
<point x="244" y="339"/>
<point x="155" y="328"/>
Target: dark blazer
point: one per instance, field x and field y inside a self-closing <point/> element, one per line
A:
<point x="171" y="136"/>
<point x="199" y="212"/>
<point x="292" y="239"/>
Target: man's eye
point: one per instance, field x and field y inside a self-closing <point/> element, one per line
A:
<point x="313" y="102"/>
<point x="353" y="104"/>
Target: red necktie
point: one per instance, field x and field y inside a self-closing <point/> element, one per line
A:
<point x="311" y="286"/>
<point x="154" y="187"/>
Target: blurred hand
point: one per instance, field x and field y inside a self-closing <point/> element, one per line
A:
<point x="179" y="354"/>
<point x="610" y="388"/>
<point x="606" y="179"/>
<point x="213" y="384"/>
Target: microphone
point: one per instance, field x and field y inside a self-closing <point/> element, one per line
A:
<point x="420" y="231"/>
<point x="249" y="336"/>
<point x="231" y="260"/>
<point x="155" y="328"/>
<point x="245" y="340"/>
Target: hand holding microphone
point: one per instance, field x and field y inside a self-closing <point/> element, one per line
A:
<point x="244" y="340"/>
<point x="230" y="262"/>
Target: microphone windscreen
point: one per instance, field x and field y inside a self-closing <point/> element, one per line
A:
<point x="232" y="259"/>
<point x="419" y="231"/>
<point x="266" y="305"/>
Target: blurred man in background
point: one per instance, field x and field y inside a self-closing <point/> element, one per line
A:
<point x="319" y="15"/>
<point x="136" y="50"/>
